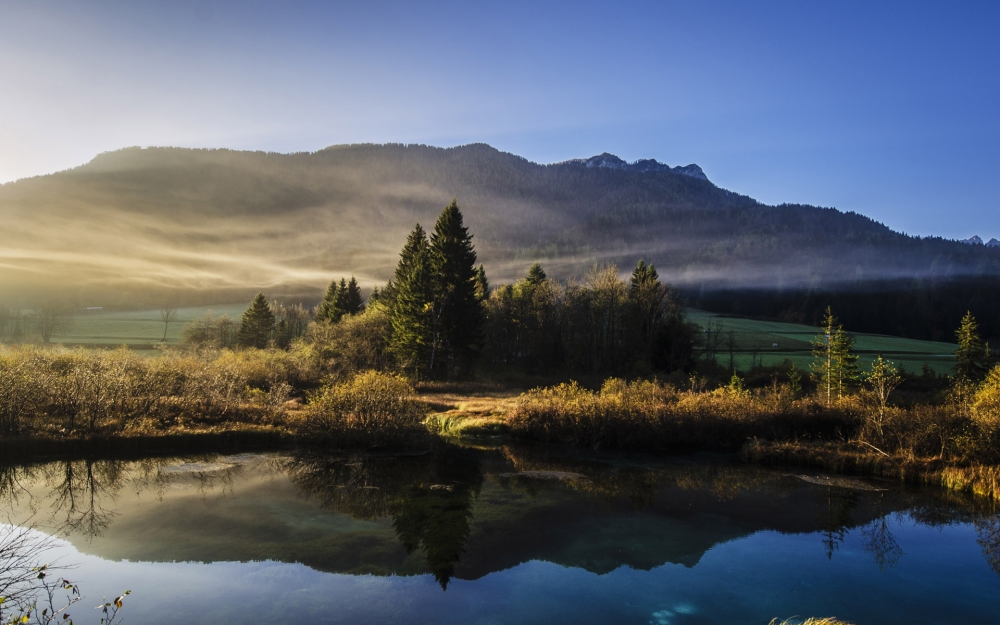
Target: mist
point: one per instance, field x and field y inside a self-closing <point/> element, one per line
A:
<point x="204" y="224"/>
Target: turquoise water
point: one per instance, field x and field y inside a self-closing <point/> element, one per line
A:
<point x="506" y="536"/>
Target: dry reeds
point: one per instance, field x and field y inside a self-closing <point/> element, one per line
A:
<point x="59" y="392"/>
<point x="372" y="409"/>
<point x="649" y="415"/>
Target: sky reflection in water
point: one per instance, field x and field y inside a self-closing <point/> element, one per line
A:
<point x="297" y="539"/>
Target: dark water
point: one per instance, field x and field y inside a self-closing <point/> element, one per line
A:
<point x="506" y="536"/>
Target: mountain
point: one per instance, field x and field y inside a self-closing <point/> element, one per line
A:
<point x="611" y="161"/>
<point x="225" y="223"/>
<point x="973" y="240"/>
<point x="993" y="243"/>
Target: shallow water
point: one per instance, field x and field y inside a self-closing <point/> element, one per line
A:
<point x="507" y="535"/>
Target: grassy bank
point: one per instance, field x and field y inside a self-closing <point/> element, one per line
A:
<point x="76" y="401"/>
<point x="952" y="443"/>
<point x="859" y="458"/>
<point x="56" y="401"/>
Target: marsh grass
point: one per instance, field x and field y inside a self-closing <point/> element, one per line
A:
<point x="371" y="409"/>
<point x="60" y="393"/>
<point x="651" y="415"/>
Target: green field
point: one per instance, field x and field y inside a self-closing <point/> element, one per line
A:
<point x="139" y="330"/>
<point x="770" y="342"/>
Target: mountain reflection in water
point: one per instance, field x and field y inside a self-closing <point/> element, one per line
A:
<point x="460" y="513"/>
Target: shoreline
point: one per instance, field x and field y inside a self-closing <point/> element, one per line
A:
<point x="477" y="418"/>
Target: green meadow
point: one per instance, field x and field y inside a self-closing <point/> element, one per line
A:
<point x="140" y="330"/>
<point x="766" y="342"/>
<point x="770" y="342"/>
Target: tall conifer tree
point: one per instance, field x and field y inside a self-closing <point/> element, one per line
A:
<point x="972" y="358"/>
<point x="482" y="284"/>
<point x="535" y="275"/>
<point x="823" y="366"/>
<point x="411" y="305"/>
<point x="257" y="324"/>
<point x="353" y="302"/>
<point x="457" y="316"/>
<point x="332" y="308"/>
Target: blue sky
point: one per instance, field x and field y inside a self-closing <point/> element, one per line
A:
<point x="888" y="109"/>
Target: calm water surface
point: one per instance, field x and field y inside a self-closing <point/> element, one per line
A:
<point x="506" y="535"/>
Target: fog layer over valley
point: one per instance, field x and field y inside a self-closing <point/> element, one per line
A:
<point x="224" y="223"/>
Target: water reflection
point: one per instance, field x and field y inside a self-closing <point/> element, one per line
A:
<point x="878" y="540"/>
<point x="429" y="498"/>
<point x="459" y="513"/>
<point x="988" y="529"/>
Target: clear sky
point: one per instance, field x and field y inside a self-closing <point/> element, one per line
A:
<point x="891" y="109"/>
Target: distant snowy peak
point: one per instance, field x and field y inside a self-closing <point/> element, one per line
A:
<point x="975" y="240"/>
<point x="611" y="161"/>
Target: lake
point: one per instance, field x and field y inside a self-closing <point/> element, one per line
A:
<point x="505" y="535"/>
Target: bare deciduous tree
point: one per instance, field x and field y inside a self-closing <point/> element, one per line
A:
<point x="167" y="314"/>
<point x="52" y="318"/>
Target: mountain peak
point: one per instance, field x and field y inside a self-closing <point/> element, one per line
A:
<point x="973" y="240"/>
<point x="610" y="161"/>
<point x="993" y="243"/>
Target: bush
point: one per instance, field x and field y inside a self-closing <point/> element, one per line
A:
<point x="371" y="409"/>
<point x="651" y="415"/>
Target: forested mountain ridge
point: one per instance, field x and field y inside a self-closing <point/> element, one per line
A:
<point x="228" y="221"/>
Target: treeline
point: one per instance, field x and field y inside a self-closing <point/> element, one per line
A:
<point x="603" y="325"/>
<point x="927" y="309"/>
<point x="944" y="430"/>
<point x="438" y="318"/>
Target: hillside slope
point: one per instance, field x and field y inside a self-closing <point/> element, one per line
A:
<point x="222" y="221"/>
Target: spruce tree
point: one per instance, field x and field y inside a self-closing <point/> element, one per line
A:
<point x="482" y="284"/>
<point x="457" y="315"/>
<point x="535" y="275"/>
<point x="835" y="365"/>
<point x="845" y="361"/>
<point x="972" y="358"/>
<point x="257" y="324"/>
<point x="332" y="308"/>
<point x="411" y="313"/>
<point x="823" y="366"/>
<point x="646" y="296"/>
<point x="353" y="303"/>
<point x="415" y="242"/>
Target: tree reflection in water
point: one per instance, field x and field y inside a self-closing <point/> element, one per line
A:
<point x="430" y="500"/>
<point x="80" y="492"/>
<point x="988" y="528"/>
<point x="429" y="497"/>
<point x="877" y="540"/>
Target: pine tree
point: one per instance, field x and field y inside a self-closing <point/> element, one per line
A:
<point x="257" y="324"/>
<point x="972" y="358"/>
<point x="353" y="303"/>
<point x="412" y="305"/>
<point x="823" y="366"/>
<point x="482" y="284"/>
<point x="457" y="314"/>
<point x="332" y="307"/>
<point x="845" y="361"/>
<point x="415" y="242"/>
<point x="646" y="296"/>
<point x="835" y="365"/>
<point x="535" y="275"/>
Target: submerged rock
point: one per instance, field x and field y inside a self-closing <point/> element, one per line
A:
<point x="547" y="475"/>
<point x="839" y="482"/>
